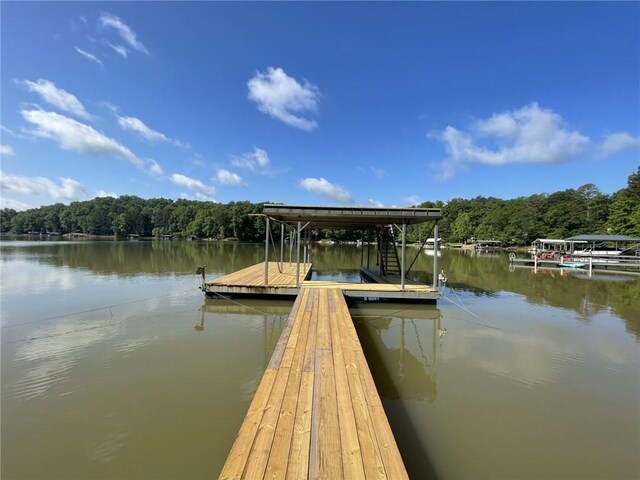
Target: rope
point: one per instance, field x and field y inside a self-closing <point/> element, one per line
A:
<point x="481" y="322"/>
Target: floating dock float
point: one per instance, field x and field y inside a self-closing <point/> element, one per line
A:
<point x="316" y="412"/>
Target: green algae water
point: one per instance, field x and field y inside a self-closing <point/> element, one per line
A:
<point x="114" y="366"/>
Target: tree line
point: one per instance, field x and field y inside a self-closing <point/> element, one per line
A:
<point x="516" y="221"/>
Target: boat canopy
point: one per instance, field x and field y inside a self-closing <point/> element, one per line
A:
<point x="602" y="238"/>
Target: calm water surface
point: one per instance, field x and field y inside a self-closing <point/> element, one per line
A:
<point x="114" y="365"/>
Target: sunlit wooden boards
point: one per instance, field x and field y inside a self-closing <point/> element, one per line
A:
<point x="251" y="280"/>
<point x="316" y="413"/>
<point x="282" y="282"/>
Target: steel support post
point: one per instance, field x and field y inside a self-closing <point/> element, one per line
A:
<point x="404" y="251"/>
<point x="435" y="256"/>
<point x="291" y="232"/>
<point x="281" y="245"/>
<point x="266" y="254"/>
<point x="298" y="256"/>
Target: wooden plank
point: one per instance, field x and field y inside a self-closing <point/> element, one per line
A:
<point x="239" y="453"/>
<point x="371" y="456"/>
<point x="352" y="465"/>
<point x="257" y="460"/>
<point x="279" y="455"/>
<point x="326" y="449"/>
<point x="391" y="457"/>
<point x="298" y="466"/>
<point x="324" y="335"/>
<point x="310" y="352"/>
<point x="276" y="357"/>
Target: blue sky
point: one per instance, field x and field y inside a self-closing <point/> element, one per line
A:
<point x="312" y="103"/>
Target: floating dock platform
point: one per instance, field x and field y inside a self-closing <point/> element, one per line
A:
<point x="316" y="412"/>
<point x="250" y="282"/>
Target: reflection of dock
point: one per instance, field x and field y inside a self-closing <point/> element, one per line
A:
<point x="316" y="412"/>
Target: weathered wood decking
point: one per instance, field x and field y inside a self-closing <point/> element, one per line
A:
<point x="316" y="412"/>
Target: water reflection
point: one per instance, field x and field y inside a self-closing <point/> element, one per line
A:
<point x="401" y="347"/>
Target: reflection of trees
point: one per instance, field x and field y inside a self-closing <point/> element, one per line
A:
<point x="406" y="368"/>
<point x="489" y="274"/>
<point x="481" y="275"/>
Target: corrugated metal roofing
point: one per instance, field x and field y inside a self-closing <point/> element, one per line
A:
<point x="350" y="217"/>
<point x="602" y="238"/>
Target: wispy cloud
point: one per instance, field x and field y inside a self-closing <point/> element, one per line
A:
<point x="155" y="168"/>
<point x="6" y="150"/>
<point x="73" y="135"/>
<point x="618" y="142"/>
<point x="412" y="200"/>
<point x="57" y="97"/>
<point x="283" y="97"/>
<point x="136" y="125"/>
<point x="193" y="184"/>
<point x="226" y="177"/>
<point x="324" y="188"/>
<point x="374" y="203"/>
<point x="89" y="56"/>
<point x="379" y="173"/>
<point x="256" y="161"/>
<point x="67" y="188"/>
<point x="119" y="49"/>
<point x="13" y="204"/>
<point x="527" y="135"/>
<point x="108" y="20"/>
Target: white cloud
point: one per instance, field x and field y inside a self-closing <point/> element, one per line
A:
<point x="258" y="160"/>
<point x="618" y="142"/>
<point x="412" y="200"/>
<point x="104" y="194"/>
<point x="375" y="203"/>
<point x="155" y="168"/>
<point x="6" y="150"/>
<point x="57" y="97"/>
<point x="73" y="135"/>
<point x="226" y="177"/>
<point x="324" y="188"/>
<point x="125" y="32"/>
<point x="13" y="204"/>
<point x="119" y="49"/>
<point x="192" y="184"/>
<point x="284" y="98"/>
<point x="67" y="189"/>
<point x="90" y="56"/>
<point x="527" y="135"/>
<point x="136" y="125"/>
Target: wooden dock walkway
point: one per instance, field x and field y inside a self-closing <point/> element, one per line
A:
<point x="316" y="412"/>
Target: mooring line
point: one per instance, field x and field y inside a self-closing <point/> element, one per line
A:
<point x="95" y="309"/>
<point x="462" y="307"/>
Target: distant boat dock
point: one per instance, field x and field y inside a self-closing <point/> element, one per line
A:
<point x="316" y="412"/>
<point x="557" y="253"/>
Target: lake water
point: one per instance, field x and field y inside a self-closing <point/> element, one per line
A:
<point x="115" y="366"/>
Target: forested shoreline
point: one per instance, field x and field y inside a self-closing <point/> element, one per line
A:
<point x="516" y="221"/>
